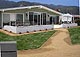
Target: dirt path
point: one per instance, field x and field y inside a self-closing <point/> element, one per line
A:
<point x="58" y="45"/>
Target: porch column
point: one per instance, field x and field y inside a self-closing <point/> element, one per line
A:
<point x="10" y="23"/>
<point x="2" y="21"/>
<point x="28" y="15"/>
<point x="40" y="19"/>
<point x="37" y="19"/>
<point x="23" y="20"/>
<point x="67" y="19"/>
<point x="73" y="20"/>
<point x="16" y="22"/>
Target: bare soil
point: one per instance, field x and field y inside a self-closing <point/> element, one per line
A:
<point x="59" y="45"/>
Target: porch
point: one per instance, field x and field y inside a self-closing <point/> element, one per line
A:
<point x="29" y="19"/>
<point x="28" y="22"/>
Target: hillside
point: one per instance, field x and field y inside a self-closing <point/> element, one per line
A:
<point x="63" y="9"/>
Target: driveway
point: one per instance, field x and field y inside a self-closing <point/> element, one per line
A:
<point x="59" y="45"/>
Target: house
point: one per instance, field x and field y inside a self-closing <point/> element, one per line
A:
<point x="13" y="19"/>
<point x="66" y="18"/>
<point x="27" y="15"/>
<point x="66" y="21"/>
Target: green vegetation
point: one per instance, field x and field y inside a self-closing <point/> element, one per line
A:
<point x="75" y="35"/>
<point x="30" y="41"/>
<point x="77" y="21"/>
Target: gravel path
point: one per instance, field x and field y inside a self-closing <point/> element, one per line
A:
<point x="58" y="45"/>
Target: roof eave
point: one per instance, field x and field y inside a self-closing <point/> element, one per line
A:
<point x="29" y="7"/>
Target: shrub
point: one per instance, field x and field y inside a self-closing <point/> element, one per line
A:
<point x="78" y="22"/>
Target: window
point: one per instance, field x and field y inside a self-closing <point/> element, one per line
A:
<point x="35" y="19"/>
<point x="19" y="19"/>
<point x="44" y="18"/>
<point x="31" y="18"/>
<point x="6" y="19"/>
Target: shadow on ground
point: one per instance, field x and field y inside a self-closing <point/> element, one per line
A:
<point x="35" y="51"/>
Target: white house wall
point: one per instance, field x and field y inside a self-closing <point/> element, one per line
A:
<point x="69" y="18"/>
<point x="64" y="18"/>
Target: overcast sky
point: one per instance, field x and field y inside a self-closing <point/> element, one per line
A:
<point x="56" y="2"/>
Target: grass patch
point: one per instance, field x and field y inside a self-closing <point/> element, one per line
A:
<point x="30" y="41"/>
<point x="75" y="35"/>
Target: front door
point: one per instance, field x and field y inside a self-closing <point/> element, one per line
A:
<point x="19" y="19"/>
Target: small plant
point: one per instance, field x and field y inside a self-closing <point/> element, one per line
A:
<point x="46" y="29"/>
<point x="40" y="30"/>
<point x="20" y="33"/>
<point x="27" y="31"/>
<point x="75" y="35"/>
<point x="10" y="31"/>
<point x="77" y="21"/>
<point x="34" y="30"/>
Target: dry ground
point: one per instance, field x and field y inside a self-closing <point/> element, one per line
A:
<point x="58" y="45"/>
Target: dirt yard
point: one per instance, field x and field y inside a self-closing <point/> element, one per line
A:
<point x="58" y="45"/>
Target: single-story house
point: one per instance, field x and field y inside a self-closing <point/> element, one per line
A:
<point x="32" y="15"/>
<point x="28" y="16"/>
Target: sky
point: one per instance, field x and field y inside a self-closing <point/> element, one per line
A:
<point x="79" y="3"/>
<point x="55" y="2"/>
